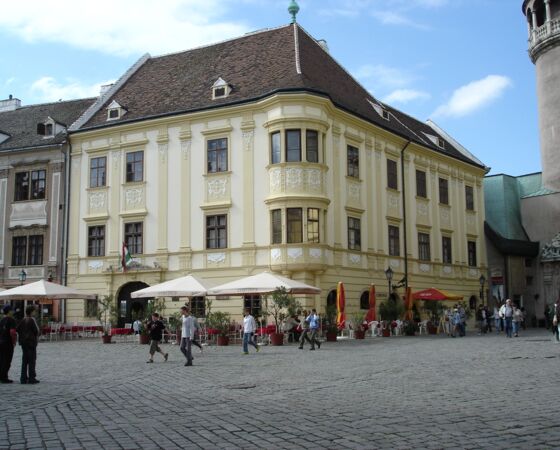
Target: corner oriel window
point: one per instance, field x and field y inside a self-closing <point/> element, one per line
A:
<point x="294" y="224"/>
<point x="275" y="150"/>
<point x="276" y="222"/>
<point x="217" y="155"/>
<point x="313" y="225"/>
<point x="312" y="146"/>
<point x="293" y="145"/>
<point x="134" y="166"/>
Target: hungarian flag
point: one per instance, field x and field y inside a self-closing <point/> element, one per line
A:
<point x="126" y="258"/>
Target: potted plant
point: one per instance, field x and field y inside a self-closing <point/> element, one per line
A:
<point x="357" y="323"/>
<point x="107" y="313"/>
<point x="330" y="322"/>
<point x="175" y="323"/>
<point x="435" y="310"/>
<point x="144" y="334"/>
<point x="221" y="322"/>
<point x="390" y="311"/>
<point x="280" y="307"/>
<point x="410" y="328"/>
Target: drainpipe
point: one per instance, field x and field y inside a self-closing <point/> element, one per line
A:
<point x="404" y="217"/>
<point x="65" y="222"/>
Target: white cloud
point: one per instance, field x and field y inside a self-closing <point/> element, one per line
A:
<point x="474" y="96"/>
<point x="396" y="18"/>
<point x="47" y="89"/>
<point x="384" y="76"/>
<point x="123" y="27"/>
<point x="405" y="96"/>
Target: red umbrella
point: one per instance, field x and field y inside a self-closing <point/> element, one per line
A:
<point x="409" y="302"/>
<point x="435" y="294"/>
<point x="371" y="316"/>
<point x="340" y="304"/>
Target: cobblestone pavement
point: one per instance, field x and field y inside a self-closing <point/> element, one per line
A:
<point x="401" y="392"/>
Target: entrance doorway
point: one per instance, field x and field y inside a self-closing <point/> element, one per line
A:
<point x="130" y="309"/>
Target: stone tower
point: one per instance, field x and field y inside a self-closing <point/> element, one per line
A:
<point x="543" y="20"/>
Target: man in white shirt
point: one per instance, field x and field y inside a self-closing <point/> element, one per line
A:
<point x="187" y="334"/>
<point x="249" y="328"/>
<point x="506" y="313"/>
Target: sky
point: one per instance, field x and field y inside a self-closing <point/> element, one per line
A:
<point x="461" y="63"/>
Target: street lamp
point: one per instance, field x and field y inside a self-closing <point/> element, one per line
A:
<point x="482" y="281"/>
<point x="22" y="277"/>
<point x="389" y="276"/>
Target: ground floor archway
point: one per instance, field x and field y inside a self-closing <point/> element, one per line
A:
<point x="130" y="309"/>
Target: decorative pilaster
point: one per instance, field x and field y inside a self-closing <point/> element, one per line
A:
<point x="54" y="223"/>
<point x="185" y="139"/>
<point x="248" y="130"/>
<point x="163" y="191"/>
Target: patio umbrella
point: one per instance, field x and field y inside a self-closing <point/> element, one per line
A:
<point x="340" y="304"/>
<point x="371" y="315"/>
<point x="41" y="290"/>
<point x="435" y="294"/>
<point x="261" y="284"/>
<point x="187" y="286"/>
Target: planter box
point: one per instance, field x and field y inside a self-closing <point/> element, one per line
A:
<point x="386" y="332"/>
<point x="277" y="339"/>
<point x="359" y="334"/>
<point x="222" y="340"/>
<point x="331" y="336"/>
<point x="106" y="338"/>
<point x="144" y="339"/>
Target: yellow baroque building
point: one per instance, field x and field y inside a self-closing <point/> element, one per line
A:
<point x="263" y="153"/>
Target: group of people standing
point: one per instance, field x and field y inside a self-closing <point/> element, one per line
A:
<point x="27" y="333"/>
<point x="509" y="318"/>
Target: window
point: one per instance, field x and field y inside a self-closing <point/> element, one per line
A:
<point x="134" y="166"/>
<point x="217" y="155"/>
<point x="97" y="172"/>
<point x="394" y="243"/>
<point x="471" y="250"/>
<point x="446" y="254"/>
<point x="275" y="152"/>
<point x="294" y="225"/>
<point x="216" y="231"/>
<point x="35" y="251"/>
<point x="48" y="129"/>
<point x="198" y="306"/>
<point x="421" y="184"/>
<point x="293" y="145"/>
<point x="219" y="92"/>
<point x="19" y="250"/>
<point x="114" y="113"/>
<point x="469" y="198"/>
<point x="443" y="191"/>
<point x="364" y="300"/>
<point x="392" y="178"/>
<point x="96" y="240"/>
<point x="312" y="225"/>
<point x="353" y="161"/>
<point x="424" y="246"/>
<point x="312" y="146"/>
<point x="253" y="303"/>
<point x="90" y="308"/>
<point x="276" y="221"/>
<point x="354" y="234"/>
<point x="133" y="237"/>
<point x="24" y="190"/>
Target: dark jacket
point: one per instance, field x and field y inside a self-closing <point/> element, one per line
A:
<point x="6" y="325"/>
<point x="28" y="332"/>
<point x="156" y="328"/>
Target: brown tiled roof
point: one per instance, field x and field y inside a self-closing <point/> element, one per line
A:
<point x="21" y="124"/>
<point x="255" y="65"/>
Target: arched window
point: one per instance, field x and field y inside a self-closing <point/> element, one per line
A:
<point x="364" y="300"/>
<point x="331" y="298"/>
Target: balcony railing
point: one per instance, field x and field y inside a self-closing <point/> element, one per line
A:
<point x="544" y="32"/>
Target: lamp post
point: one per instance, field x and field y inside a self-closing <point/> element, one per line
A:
<point x="389" y="276"/>
<point x="482" y="281"/>
<point x="22" y="277"/>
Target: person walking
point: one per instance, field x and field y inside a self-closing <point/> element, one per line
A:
<point x="489" y="319"/>
<point x="481" y="319"/>
<point x="249" y="329"/>
<point x="196" y="338"/>
<point x="506" y="313"/>
<point x="463" y="327"/>
<point x="187" y="334"/>
<point x="456" y="323"/>
<point x="7" y="343"/>
<point x="28" y="337"/>
<point x="449" y="321"/>
<point x="499" y="321"/>
<point x="156" y="327"/>
<point x="304" y="330"/>
<point x="313" y="319"/>
<point x="517" y="318"/>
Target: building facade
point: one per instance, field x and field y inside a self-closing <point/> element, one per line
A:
<point x="33" y="151"/>
<point x="263" y="153"/>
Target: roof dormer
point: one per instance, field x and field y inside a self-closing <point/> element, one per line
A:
<point x="49" y="128"/>
<point x="4" y="136"/>
<point x="220" y="89"/>
<point x="380" y="110"/>
<point x="115" y="111"/>
<point x="436" y="140"/>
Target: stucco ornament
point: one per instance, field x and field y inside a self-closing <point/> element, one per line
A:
<point x="216" y="257"/>
<point x="275" y="254"/>
<point x="295" y="253"/>
<point x="551" y="251"/>
<point x="217" y="188"/>
<point x="294" y="178"/>
<point x="133" y="197"/>
<point x="97" y="200"/>
<point x="314" y="179"/>
<point x="315" y="253"/>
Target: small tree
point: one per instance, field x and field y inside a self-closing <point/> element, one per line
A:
<point x="282" y="305"/>
<point x="220" y="321"/>
<point x="435" y="310"/>
<point x="330" y="318"/>
<point x="391" y="310"/>
<point x="107" y="312"/>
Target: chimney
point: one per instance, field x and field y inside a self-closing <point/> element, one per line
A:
<point x="11" y="104"/>
<point x="323" y="44"/>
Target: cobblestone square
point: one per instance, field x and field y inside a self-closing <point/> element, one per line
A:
<point x="428" y="392"/>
